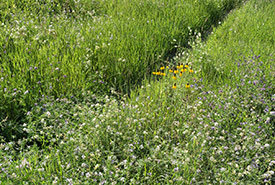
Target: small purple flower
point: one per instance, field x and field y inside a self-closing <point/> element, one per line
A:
<point x="176" y="169"/>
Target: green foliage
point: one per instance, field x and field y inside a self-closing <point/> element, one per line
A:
<point x="231" y="41"/>
<point x="60" y="47"/>
<point x="157" y="136"/>
<point x="54" y="7"/>
<point x="218" y="131"/>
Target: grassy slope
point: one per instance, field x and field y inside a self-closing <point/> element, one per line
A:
<point x="232" y="41"/>
<point x="215" y="135"/>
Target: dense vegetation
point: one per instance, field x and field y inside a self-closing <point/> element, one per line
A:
<point x="79" y="103"/>
<point x="56" y="48"/>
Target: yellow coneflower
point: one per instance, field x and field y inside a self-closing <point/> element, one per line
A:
<point x="178" y="67"/>
<point x="174" y="86"/>
<point x="154" y="73"/>
<point x="186" y="65"/>
<point x="162" y="74"/>
<point x="187" y="85"/>
<point x="174" y="77"/>
<point x="176" y="72"/>
<point x="181" y="65"/>
<point x="158" y="73"/>
<point x="171" y="70"/>
<point x="167" y="67"/>
<point x="191" y="70"/>
<point x="180" y="73"/>
<point x="183" y="70"/>
<point x="162" y="68"/>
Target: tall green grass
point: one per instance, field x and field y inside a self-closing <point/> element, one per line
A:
<point x="61" y="47"/>
<point x="219" y="131"/>
<point x="231" y="42"/>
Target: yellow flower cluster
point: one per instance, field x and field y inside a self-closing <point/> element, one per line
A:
<point x="175" y="71"/>
<point x="159" y="73"/>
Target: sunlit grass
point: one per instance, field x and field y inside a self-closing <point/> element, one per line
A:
<point x="57" y="48"/>
<point x="206" y="116"/>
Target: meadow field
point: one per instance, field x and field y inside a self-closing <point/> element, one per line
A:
<point x="137" y="92"/>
